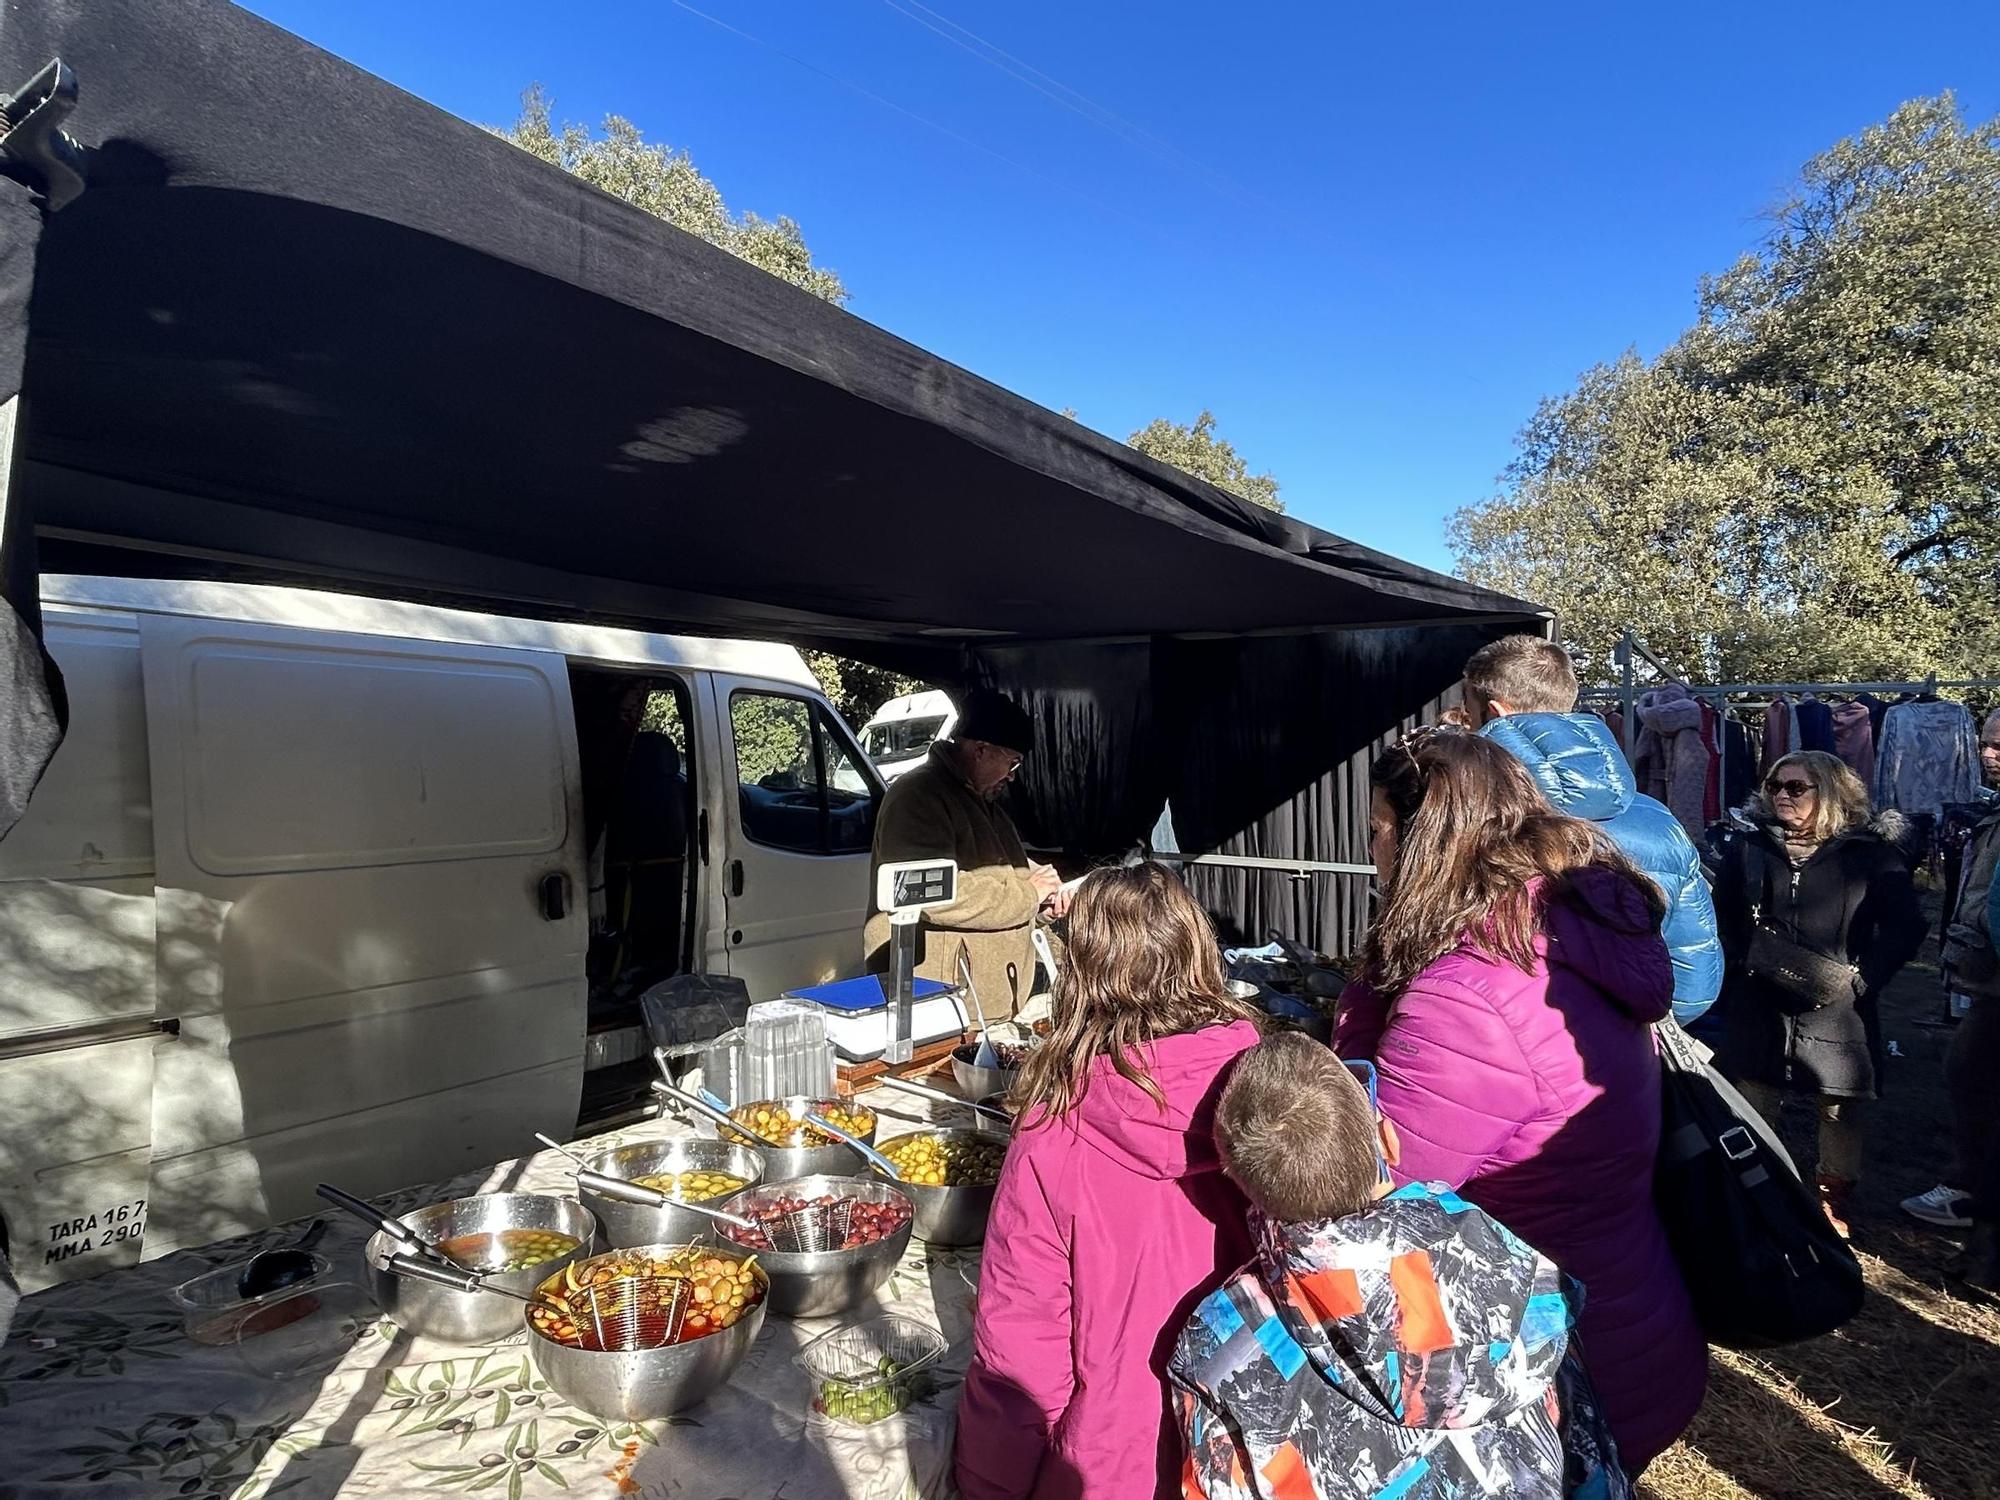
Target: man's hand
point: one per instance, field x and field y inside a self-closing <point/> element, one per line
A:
<point x="1044" y="879"/>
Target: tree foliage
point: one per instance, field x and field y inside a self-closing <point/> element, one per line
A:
<point x="1198" y="451"/>
<point x="666" y="184"/>
<point x="1804" y="484"/>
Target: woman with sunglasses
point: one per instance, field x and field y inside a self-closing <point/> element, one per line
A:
<point x="1113" y="1215"/>
<point x="1817" y="914"/>
<point x="1509" y="987"/>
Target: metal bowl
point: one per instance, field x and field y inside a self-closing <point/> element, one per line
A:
<point x="647" y="1383"/>
<point x="440" y="1312"/>
<point x="788" y="1163"/>
<point x="826" y="1281"/>
<point x="948" y="1215"/>
<point x="988" y="1126"/>
<point x="976" y="1082"/>
<point x="630" y="1224"/>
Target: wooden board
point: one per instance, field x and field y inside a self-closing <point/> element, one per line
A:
<point x="932" y="1058"/>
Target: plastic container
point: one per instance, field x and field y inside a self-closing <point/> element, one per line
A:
<point x="786" y="1052"/>
<point x="724" y="1072"/>
<point x="865" y="1372"/>
<point x="305" y="1330"/>
<point x="212" y="1310"/>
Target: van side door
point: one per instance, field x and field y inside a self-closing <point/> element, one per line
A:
<point x="800" y="803"/>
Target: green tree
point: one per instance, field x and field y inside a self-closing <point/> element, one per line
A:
<point x="665" y="183"/>
<point x="1198" y="451"/>
<point x="1803" y="484"/>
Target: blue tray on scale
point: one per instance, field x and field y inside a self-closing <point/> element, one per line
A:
<point x="858" y="1020"/>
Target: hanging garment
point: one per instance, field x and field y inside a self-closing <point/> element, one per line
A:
<point x="1711" y="741"/>
<point x="1876" y="707"/>
<point x="1672" y="762"/>
<point x="1854" y="738"/>
<point x="1739" y="763"/>
<point x="1815" y="721"/>
<point x="1928" y="756"/>
<point x="1781" y="731"/>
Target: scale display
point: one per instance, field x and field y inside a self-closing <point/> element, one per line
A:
<point x="916" y="885"/>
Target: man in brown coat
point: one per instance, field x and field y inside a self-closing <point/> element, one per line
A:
<point x="948" y="808"/>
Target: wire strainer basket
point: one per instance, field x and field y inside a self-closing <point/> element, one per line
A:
<point x="812" y="1228"/>
<point x="637" y="1303"/>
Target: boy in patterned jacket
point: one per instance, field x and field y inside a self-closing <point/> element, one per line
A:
<point x="1385" y="1344"/>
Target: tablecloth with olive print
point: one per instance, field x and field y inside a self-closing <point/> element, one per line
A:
<point x="101" y="1391"/>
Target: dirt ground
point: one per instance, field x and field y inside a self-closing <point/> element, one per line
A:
<point x="1905" y="1400"/>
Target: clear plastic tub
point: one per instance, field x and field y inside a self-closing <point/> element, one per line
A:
<point x="785" y="1051"/>
<point x="868" y="1371"/>
<point x="213" y="1311"/>
<point x="305" y="1330"/>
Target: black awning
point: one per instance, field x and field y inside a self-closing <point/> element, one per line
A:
<point x="303" y="326"/>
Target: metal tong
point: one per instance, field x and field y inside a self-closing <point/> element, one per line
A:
<point x="624" y="1190"/>
<point x="924" y="1091"/>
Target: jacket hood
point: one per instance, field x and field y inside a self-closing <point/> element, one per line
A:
<point x="1574" y="759"/>
<point x="1887" y="824"/>
<point x="1420" y="1310"/>
<point x="1599" y="925"/>
<point x="1669" y="710"/>
<point x="1121" y="1121"/>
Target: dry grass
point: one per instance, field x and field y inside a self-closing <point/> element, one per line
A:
<point x="1905" y="1400"/>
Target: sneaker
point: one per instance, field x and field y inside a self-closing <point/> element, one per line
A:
<point x="1943" y="1207"/>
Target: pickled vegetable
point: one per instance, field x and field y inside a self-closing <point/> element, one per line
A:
<point x="776" y="1124"/>
<point x="867" y="1222"/>
<point x="946" y="1161"/>
<point x="868" y="1398"/>
<point x="697" y="1186"/>
<point x="508" y="1249"/>
<point x="625" y="1300"/>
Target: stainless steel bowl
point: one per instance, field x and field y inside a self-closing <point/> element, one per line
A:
<point x="786" y="1163"/>
<point x="440" y="1312"/>
<point x="629" y="1224"/>
<point x="976" y="1082"/>
<point x="647" y="1383"/>
<point x="948" y="1215"/>
<point x="826" y="1281"/>
<point x="988" y="1126"/>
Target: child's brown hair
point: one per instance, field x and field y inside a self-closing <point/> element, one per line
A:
<point x="1297" y="1133"/>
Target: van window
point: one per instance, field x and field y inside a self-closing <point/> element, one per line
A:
<point x="800" y="782"/>
<point x="899" y="739"/>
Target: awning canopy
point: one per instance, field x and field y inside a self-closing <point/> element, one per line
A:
<point x="303" y="326"/>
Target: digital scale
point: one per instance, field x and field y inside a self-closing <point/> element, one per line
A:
<point x="886" y="1017"/>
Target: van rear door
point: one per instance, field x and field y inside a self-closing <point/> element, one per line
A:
<point x="800" y="820"/>
<point x="370" y="913"/>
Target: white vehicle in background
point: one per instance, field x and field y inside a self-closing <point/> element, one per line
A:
<point x="903" y="730"/>
<point x="323" y="888"/>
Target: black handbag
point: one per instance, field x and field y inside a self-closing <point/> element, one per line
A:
<point x="1799" y="978"/>
<point x="1762" y="1264"/>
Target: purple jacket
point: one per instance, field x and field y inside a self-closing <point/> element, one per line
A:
<point x="1538" y="1097"/>
<point x="1109" y="1227"/>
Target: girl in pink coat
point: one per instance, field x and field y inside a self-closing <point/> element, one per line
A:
<point x="1512" y="979"/>
<point x="1113" y="1218"/>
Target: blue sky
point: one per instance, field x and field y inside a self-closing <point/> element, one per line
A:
<point x="1370" y="240"/>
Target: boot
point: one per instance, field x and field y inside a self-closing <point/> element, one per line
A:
<point x="1834" y="1193"/>
<point x="1978" y="1264"/>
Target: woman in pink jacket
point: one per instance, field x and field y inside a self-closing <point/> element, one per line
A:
<point x="1511" y="982"/>
<point x="1113" y="1218"/>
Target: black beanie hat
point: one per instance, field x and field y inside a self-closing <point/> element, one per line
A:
<point x="995" y="718"/>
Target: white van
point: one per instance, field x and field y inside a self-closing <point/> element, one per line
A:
<point x="323" y="888"/>
<point x="903" y="730"/>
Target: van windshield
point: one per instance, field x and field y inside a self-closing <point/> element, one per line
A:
<point x="900" y="737"/>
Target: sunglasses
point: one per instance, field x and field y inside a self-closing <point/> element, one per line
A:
<point x="1792" y="789"/>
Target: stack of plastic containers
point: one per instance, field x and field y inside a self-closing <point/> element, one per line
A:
<point x="784" y="1052"/>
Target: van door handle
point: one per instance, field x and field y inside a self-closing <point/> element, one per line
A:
<point x="555" y="896"/>
<point x="736" y="877"/>
<point x="701" y="832"/>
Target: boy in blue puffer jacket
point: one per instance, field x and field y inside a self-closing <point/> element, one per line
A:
<point x="1521" y="691"/>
